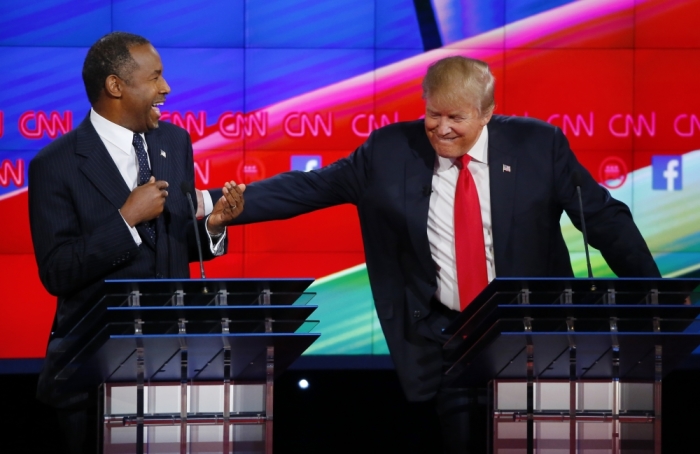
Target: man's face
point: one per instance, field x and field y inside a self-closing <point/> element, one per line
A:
<point x="145" y="92"/>
<point x="452" y="130"/>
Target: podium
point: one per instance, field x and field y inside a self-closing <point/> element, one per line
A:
<point x="574" y="365"/>
<point x="187" y="366"/>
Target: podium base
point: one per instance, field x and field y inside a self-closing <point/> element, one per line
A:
<point x="576" y="417"/>
<point x="208" y="424"/>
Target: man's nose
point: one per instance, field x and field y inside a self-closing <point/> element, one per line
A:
<point x="444" y="127"/>
<point x="164" y="88"/>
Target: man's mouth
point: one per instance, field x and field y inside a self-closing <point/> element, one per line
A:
<point x="156" y="107"/>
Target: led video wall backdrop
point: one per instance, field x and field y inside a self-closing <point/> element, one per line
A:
<point x="265" y="87"/>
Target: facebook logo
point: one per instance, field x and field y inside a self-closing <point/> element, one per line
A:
<point x="306" y="163"/>
<point x="667" y="173"/>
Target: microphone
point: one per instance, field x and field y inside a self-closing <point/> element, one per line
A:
<point x="576" y="180"/>
<point x="186" y="188"/>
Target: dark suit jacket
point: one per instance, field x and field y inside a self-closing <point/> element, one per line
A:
<point x="389" y="177"/>
<point x="80" y="239"/>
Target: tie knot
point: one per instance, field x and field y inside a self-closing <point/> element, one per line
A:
<point x="137" y="141"/>
<point x="463" y="161"/>
<point x="144" y="169"/>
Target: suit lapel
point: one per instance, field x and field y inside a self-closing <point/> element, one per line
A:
<point x="158" y="156"/>
<point x="418" y="180"/>
<point x="100" y="169"/>
<point x="502" y="176"/>
<point x="98" y="166"/>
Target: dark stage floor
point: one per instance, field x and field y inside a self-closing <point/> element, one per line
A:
<point x="341" y="411"/>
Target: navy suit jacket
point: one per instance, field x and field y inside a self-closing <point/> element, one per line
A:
<point x="389" y="177"/>
<point x="79" y="237"/>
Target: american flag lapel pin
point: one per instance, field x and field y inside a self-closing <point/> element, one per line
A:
<point x="162" y="153"/>
<point x="506" y="168"/>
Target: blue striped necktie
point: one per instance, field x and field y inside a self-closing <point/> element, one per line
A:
<point x="144" y="176"/>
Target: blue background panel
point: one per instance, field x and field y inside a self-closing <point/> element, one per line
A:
<point x="458" y="20"/>
<point x="397" y="25"/>
<point x="384" y="57"/>
<point x="39" y="79"/>
<point x="191" y="23"/>
<point x="273" y="75"/>
<point x="209" y="80"/>
<point x="520" y="9"/>
<point x="342" y="24"/>
<point x="54" y="22"/>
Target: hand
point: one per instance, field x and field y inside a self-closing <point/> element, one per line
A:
<point x="200" y="204"/>
<point x="227" y="208"/>
<point x="145" y="202"/>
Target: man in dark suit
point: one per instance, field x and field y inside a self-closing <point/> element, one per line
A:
<point x="99" y="200"/>
<point x="410" y="180"/>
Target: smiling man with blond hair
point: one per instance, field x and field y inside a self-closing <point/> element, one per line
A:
<point x="446" y="204"/>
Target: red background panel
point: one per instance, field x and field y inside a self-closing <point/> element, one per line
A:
<point x="643" y="158"/>
<point x="667" y="24"/>
<point x="320" y="120"/>
<point x="663" y="83"/>
<point x="333" y="230"/>
<point x="572" y="82"/>
<point x="18" y="228"/>
<point x="278" y="161"/>
<point x="225" y="267"/>
<point x="612" y="30"/>
<point x="610" y="167"/>
<point x="310" y="264"/>
<point x="27" y="308"/>
<point x="220" y="166"/>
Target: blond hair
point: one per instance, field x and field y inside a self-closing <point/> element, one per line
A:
<point x="458" y="80"/>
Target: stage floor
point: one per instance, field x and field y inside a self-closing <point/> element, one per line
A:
<point x="341" y="411"/>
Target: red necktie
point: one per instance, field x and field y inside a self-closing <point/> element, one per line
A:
<point x="469" y="236"/>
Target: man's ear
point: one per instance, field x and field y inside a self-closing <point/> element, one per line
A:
<point x="113" y="86"/>
<point x="486" y="118"/>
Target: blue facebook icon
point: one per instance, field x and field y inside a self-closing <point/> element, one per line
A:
<point x="667" y="173"/>
<point x="306" y="162"/>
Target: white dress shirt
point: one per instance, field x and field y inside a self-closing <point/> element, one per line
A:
<point x="441" y="218"/>
<point x="118" y="141"/>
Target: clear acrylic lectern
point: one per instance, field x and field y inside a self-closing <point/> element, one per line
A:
<point x="187" y="366"/>
<point x="575" y="365"/>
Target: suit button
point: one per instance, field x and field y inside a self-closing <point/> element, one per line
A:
<point x="416" y="314"/>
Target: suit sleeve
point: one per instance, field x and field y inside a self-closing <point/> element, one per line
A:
<point x="609" y="222"/>
<point x="68" y="256"/>
<point x="293" y="193"/>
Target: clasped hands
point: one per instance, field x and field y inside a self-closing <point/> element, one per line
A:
<point x="146" y="202"/>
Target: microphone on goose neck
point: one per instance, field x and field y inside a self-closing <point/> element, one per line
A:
<point x="186" y="188"/>
<point x="576" y="180"/>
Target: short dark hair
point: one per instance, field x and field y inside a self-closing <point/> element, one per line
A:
<point x="109" y="55"/>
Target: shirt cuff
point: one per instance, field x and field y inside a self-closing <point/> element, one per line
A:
<point x="216" y="242"/>
<point x="208" y="204"/>
<point x="134" y="233"/>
